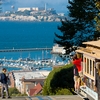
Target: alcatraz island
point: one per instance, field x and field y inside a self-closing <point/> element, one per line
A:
<point x="36" y="14"/>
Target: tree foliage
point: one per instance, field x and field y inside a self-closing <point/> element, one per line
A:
<point x="13" y="91"/>
<point x="59" y="79"/>
<point x="97" y="18"/>
<point x="81" y="25"/>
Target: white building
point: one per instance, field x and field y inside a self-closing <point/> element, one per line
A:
<point x="30" y="9"/>
<point x="61" y="14"/>
<point x="23" y="9"/>
<point x="35" y="8"/>
<point x="58" y="49"/>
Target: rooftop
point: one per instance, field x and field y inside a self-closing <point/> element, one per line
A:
<point x="31" y="74"/>
<point x="93" y="43"/>
<point x="92" y="49"/>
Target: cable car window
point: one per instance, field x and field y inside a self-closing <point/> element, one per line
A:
<point x="87" y="65"/>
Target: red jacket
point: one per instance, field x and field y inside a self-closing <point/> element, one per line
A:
<point x="77" y="63"/>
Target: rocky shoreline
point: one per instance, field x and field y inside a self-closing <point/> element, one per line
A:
<point x="38" y="18"/>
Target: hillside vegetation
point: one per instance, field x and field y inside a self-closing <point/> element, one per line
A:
<point x="59" y="81"/>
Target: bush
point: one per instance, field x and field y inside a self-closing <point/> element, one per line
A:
<point x="13" y="91"/>
<point x="59" y="79"/>
<point x="63" y="92"/>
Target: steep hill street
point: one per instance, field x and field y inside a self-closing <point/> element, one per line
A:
<point x="59" y="97"/>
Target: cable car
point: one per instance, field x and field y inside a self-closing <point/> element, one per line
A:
<point x="90" y="55"/>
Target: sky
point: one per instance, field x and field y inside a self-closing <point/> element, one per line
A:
<point x="58" y="5"/>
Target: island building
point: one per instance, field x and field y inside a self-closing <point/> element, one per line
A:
<point x="90" y="54"/>
<point x="31" y="9"/>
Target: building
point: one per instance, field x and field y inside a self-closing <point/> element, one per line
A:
<point x="58" y="49"/>
<point x="61" y="14"/>
<point x="25" y="80"/>
<point x="29" y="85"/>
<point x="37" y="89"/>
<point x="38" y="8"/>
<point x="32" y="86"/>
<point x="23" y="9"/>
<point x="31" y="9"/>
<point x="91" y="68"/>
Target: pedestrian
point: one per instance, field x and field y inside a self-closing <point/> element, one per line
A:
<point x="77" y="72"/>
<point x="4" y="84"/>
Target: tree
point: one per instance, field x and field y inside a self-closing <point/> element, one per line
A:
<point x="97" y="18"/>
<point x="80" y="27"/>
<point x="59" y="79"/>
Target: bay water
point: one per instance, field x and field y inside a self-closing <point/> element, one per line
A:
<point x="20" y="35"/>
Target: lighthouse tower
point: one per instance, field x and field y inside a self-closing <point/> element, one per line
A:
<point x="45" y="7"/>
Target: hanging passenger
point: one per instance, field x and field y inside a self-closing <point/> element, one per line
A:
<point x="77" y="72"/>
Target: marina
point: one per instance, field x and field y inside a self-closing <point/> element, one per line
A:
<point x="27" y="64"/>
<point x="42" y="63"/>
<point x="26" y="59"/>
<point x="44" y="58"/>
<point x="31" y="64"/>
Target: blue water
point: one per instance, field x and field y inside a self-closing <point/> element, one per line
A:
<point x="27" y="34"/>
<point x="20" y="35"/>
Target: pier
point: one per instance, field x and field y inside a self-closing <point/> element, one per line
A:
<point x="26" y="49"/>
